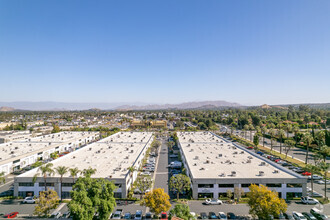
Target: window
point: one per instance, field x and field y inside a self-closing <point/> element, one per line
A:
<point x="205" y="185"/>
<point x="118" y="185"/>
<point x="26" y="184"/>
<point x="48" y="184"/>
<point x="294" y="185"/>
<point x="205" y="195"/>
<point x="117" y="195"/>
<point x="16" y="161"/>
<point x="226" y="185"/>
<point x="67" y="184"/>
<point x="274" y="185"/>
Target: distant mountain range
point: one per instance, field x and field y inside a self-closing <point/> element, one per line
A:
<point x="64" y="106"/>
<point x="185" y="105"/>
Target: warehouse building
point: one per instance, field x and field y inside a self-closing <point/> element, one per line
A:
<point x="111" y="157"/>
<point x="216" y="165"/>
<point x="18" y="154"/>
<point x="9" y="136"/>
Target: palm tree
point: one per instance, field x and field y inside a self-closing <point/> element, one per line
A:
<point x="88" y="172"/>
<point x="131" y="170"/>
<point x="281" y="135"/>
<point x="74" y="173"/>
<point x="46" y="170"/>
<point x="251" y="128"/>
<point x="324" y="152"/>
<point x="272" y="134"/>
<point x="313" y="170"/>
<point x="288" y="129"/>
<point x="2" y="178"/>
<point x="263" y="131"/>
<point x="288" y="145"/>
<point x="320" y="138"/>
<point x="324" y="167"/>
<point x="296" y="131"/>
<point x="307" y="139"/>
<point x="61" y="170"/>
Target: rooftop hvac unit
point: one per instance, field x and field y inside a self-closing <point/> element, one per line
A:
<point x="222" y="175"/>
<point x="195" y="164"/>
<point x="220" y="155"/>
<point x="207" y="161"/>
<point x="263" y="163"/>
<point x="276" y="171"/>
<point x="233" y="173"/>
<point x="202" y="168"/>
<point x="235" y="152"/>
<point x="242" y="152"/>
<point x="248" y="161"/>
<point x="196" y="158"/>
<point x="261" y="173"/>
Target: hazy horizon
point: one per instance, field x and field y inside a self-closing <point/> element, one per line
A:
<point x="248" y="52"/>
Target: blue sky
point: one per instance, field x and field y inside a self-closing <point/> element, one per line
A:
<point x="250" y="52"/>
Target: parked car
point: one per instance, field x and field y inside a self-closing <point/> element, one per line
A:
<point x="308" y="200"/>
<point x="163" y="216"/>
<point x="7" y="193"/>
<point x="322" y="181"/>
<point x="66" y="214"/>
<point x="146" y="173"/>
<point x="138" y="215"/>
<point x="288" y="216"/>
<point x="55" y="215"/>
<point x="231" y="215"/>
<point x="127" y="215"/>
<point x="203" y="215"/>
<point x="222" y="215"/>
<point x="309" y="216"/>
<point x="306" y="173"/>
<point x="173" y="155"/>
<point x="193" y="216"/>
<point x="213" y="202"/>
<point x="298" y="216"/>
<point x="317" y="214"/>
<point x="315" y="177"/>
<point x="117" y="214"/>
<point x="148" y="216"/>
<point x="212" y="215"/>
<point x="11" y="215"/>
<point x="260" y="153"/>
<point x="29" y="200"/>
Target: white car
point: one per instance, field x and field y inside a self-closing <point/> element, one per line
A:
<point x="213" y="202"/>
<point x="29" y="200"/>
<point x="322" y="181"/>
<point x="298" y="216"/>
<point x="308" y="200"/>
<point x="222" y="215"/>
<point x="315" y="177"/>
<point x="146" y="173"/>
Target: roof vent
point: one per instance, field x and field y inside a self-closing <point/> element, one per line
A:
<point x="222" y="175"/>
<point x="261" y="173"/>
<point x="233" y="173"/>
<point x="262" y="163"/>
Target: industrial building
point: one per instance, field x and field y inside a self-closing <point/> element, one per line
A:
<point x="216" y="165"/>
<point x="20" y="153"/>
<point x="111" y="157"/>
<point x="8" y="136"/>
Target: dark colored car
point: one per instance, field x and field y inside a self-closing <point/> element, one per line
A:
<point x="148" y="216"/>
<point x="288" y="216"/>
<point x="212" y="215"/>
<point x="309" y="216"/>
<point x="11" y="215"/>
<point x="231" y="215"/>
<point x="127" y="215"/>
<point x="203" y="215"/>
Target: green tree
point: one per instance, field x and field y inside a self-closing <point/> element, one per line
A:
<point x="155" y="144"/>
<point x="238" y="193"/>
<point x="320" y="138"/>
<point x="324" y="168"/>
<point x="307" y="139"/>
<point x="56" y="128"/>
<point x="157" y="200"/>
<point x="92" y="197"/>
<point x="37" y="164"/>
<point x="288" y="128"/>
<point x="131" y="170"/>
<point x="143" y="184"/>
<point x="264" y="130"/>
<point x="229" y="194"/>
<point x="296" y="130"/>
<point x="245" y="128"/>
<point x="46" y="170"/>
<point x="313" y="170"/>
<point x="74" y="173"/>
<point x="281" y="135"/>
<point x="179" y="183"/>
<point x="2" y="178"/>
<point x="48" y="200"/>
<point x="251" y="128"/>
<point x="88" y="172"/>
<point x="288" y="146"/>
<point x="170" y="144"/>
<point x="181" y="211"/>
<point x="324" y="152"/>
<point x="272" y="133"/>
<point x="256" y="140"/>
<point x="263" y="202"/>
<point x="61" y="170"/>
<point x="54" y="155"/>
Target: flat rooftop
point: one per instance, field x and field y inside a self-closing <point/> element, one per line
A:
<point x="210" y="157"/>
<point x="19" y="148"/>
<point x="111" y="156"/>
